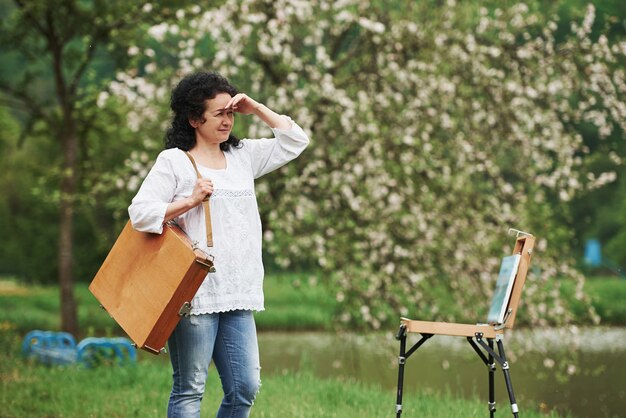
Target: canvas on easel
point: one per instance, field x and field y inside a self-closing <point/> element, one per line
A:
<point x="504" y="285"/>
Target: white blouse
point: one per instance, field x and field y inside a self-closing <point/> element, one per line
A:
<point x="238" y="280"/>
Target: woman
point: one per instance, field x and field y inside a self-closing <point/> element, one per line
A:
<point x="221" y="325"/>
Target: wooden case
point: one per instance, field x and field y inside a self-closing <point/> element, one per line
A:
<point x="147" y="282"/>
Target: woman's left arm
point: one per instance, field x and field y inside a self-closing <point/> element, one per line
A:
<point x="242" y="103"/>
<point x="270" y="153"/>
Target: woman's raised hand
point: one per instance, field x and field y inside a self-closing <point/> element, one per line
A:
<point x="244" y="104"/>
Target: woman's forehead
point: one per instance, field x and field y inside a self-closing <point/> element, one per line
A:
<point x="218" y="102"/>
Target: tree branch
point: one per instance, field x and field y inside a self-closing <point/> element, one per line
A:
<point x="100" y="35"/>
<point x="30" y="105"/>
<point x="31" y="17"/>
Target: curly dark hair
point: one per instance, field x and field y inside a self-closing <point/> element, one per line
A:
<point x="188" y="103"/>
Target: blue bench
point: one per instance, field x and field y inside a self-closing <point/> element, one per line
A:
<point x="60" y="348"/>
<point x="94" y="351"/>
<point x="48" y="347"/>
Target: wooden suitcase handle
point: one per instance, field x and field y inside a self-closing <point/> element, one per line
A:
<point x="205" y="205"/>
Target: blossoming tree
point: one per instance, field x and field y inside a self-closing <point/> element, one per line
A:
<point x="432" y="134"/>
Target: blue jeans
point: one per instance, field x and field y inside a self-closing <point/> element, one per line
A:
<point x="229" y="338"/>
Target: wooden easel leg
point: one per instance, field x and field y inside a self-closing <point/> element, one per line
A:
<point x="401" y="361"/>
<point x="492" y="368"/>
<point x="507" y="376"/>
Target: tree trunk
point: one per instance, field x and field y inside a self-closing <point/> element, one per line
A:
<point x="69" y="317"/>
<point x="66" y="95"/>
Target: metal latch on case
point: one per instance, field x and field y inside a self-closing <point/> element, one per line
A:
<point x="185" y="310"/>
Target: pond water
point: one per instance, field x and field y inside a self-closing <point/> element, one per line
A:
<point x="578" y="371"/>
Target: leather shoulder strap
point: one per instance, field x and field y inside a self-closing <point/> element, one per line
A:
<point x="205" y="205"/>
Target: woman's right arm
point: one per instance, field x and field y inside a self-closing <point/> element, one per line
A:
<point x="149" y="206"/>
<point x="202" y="188"/>
<point x="153" y="204"/>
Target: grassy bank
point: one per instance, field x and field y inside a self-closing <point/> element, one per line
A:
<point x="293" y="302"/>
<point x="607" y="297"/>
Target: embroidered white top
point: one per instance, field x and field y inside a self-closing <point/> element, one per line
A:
<point x="237" y="236"/>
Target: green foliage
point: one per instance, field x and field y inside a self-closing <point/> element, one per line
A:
<point x="609" y="224"/>
<point x="59" y="59"/>
<point x="608" y="299"/>
<point x="29" y="212"/>
<point x="607" y="296"/>
<point x="598" y="214"/>
<point x="29" y="237"/>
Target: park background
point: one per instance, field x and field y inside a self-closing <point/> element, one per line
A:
<point x="435" y="127"/>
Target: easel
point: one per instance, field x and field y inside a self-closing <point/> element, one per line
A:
<point x="475" y="334"/>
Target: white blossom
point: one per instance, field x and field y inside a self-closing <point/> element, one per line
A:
<point x="158" y="31"/>
<point x="420" y="157"/>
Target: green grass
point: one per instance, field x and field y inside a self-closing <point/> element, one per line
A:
<point x="28" y="389"/>
<point x="293" y="302"/>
